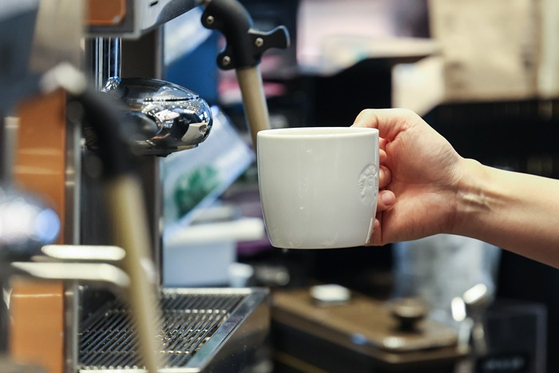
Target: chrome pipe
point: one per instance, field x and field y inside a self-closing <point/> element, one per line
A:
<point x="106" y="62"/>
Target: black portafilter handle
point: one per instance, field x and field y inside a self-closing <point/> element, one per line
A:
<point x="245" y="45"/>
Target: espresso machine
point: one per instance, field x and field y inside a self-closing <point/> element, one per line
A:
<point x="83" y="81"/>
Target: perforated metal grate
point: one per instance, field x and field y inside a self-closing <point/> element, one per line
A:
<point x="107" y="340"/>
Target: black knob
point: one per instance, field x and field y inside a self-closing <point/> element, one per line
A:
<point x="408" y="312"/>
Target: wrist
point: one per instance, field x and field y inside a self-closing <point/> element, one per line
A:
<point x="471" y="197"/>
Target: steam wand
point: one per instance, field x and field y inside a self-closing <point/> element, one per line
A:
<point x="243" y="52"/>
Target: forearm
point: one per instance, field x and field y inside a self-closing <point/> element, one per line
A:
<point x="518" y="212"/>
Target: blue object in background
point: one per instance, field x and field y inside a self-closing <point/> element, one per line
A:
<point x="198" y="70"/>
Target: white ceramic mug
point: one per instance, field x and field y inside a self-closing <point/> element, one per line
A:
<point x="318" y="185"/>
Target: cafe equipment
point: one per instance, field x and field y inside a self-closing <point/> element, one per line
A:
<point x="363" y="334"/>
<point x="457" y="277"/>
<point x="360" y="335"/>
<point x="155" y="107"/>
<point x="27" y="226"/>
<point x="219" y="329"/>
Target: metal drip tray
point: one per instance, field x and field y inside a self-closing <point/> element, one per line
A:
<point x="201" y="330"/>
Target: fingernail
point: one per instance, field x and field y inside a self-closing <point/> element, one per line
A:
<point x="387" y="198"/>
<point x="357" y="124"/>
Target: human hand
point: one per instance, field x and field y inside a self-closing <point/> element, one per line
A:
<point x="419" y="177"/>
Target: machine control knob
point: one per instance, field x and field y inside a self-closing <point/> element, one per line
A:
<point x="408" y="312"/>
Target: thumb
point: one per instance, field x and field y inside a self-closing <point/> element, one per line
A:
<point x="389" y="122"/>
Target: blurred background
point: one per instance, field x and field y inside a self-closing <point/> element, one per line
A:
<point x="485" y="74"/>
